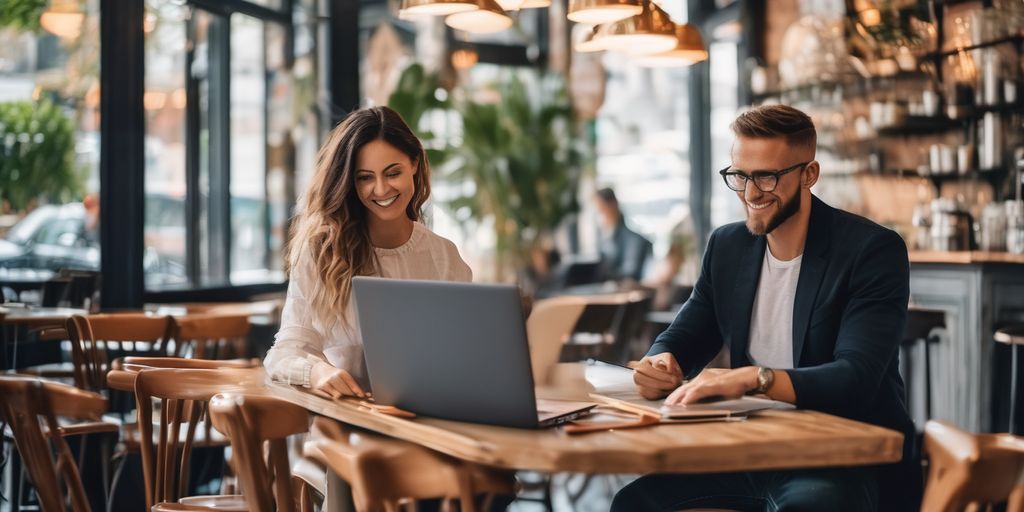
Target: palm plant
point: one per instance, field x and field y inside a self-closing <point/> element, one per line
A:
<point x="521" y="155"/>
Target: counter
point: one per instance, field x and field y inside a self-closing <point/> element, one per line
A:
<point x="965" y="257"/>
<point x="980" y="292"/>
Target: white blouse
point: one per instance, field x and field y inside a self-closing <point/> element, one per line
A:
<point x="306" y="338"/>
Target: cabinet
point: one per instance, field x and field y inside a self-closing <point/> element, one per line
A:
<point x="970" y="372"/>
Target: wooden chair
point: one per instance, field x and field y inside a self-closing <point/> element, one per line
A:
<point x="547" y="328"/>
<point x="384" y="472"/>
<point x="967" y="470"/>
<point x="210" y="336"/>
<point x="95" y="339"/>
<point x="183" y="396"/>
<point x="251" y="422"/>
<point x="606" y="326"/>
<point x="32" y="407"/>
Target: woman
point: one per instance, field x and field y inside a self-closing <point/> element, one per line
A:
<point x="359" y="217"/>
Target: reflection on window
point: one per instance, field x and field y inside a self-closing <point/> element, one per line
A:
<point x="248" y="144"/>
<point x="49" y="145"/>
<point x="165" y="102"/>
<point x="723" y="58"/>
<point x="227" y="96"/>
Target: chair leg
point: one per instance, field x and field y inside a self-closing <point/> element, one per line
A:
<point x="116" y="479"/>
<point x="1013" y="389"/>
<point x="927" y="378"/>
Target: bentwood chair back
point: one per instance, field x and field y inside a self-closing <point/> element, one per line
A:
<point x="96" y="339"/>
<point x="383" y="471"/>
<point x="211" y="336"/>
<point x="258" y="425"/>
<point x="183" y="396"/>
<point x="967" y="470"/>
<point x="549" y="325"/>
<point x="31" y="408"/>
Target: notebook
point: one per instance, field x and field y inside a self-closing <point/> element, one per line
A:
<point x="613" y="385"/>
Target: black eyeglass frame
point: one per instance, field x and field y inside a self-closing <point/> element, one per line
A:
<point x="747" y="178"/>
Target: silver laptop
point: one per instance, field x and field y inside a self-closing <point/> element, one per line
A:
<point x="452" y="350"/>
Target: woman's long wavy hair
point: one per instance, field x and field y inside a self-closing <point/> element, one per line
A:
<point x="332" y="224"/>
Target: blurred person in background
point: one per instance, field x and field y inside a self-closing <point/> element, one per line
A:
<point x="676" y="273"/>
<point x="624" y="252"/>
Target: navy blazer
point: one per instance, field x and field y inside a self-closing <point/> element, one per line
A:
<point x="848" y="316"/>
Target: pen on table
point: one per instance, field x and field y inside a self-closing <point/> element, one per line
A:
<point x="609" y="363"/>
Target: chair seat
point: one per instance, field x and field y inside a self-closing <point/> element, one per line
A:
<point x="226" y="503"/>
<point x="73" y="428"/>
<point x="1013" y="335"/>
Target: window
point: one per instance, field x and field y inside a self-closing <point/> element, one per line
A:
<point x="221" y="165"/>
<point x="643" y="144"/>
<point x="49" y="140"/>
<point x="724" y="61"/>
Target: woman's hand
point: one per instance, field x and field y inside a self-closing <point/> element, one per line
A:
<point x="334" y="382"/>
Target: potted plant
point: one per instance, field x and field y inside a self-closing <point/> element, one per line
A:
<point x="519" y="149"/>
<point x="37" y="155"/>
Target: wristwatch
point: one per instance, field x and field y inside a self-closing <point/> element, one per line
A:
<point x="765" y="379"/>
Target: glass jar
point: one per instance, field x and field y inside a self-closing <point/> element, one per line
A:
<point x="1015" y="226"/>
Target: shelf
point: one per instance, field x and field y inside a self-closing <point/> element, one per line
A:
<point x="798" y="89"/>
<point x="919" y="125"/>
<point x="980" y="110"/>
<point x="994" y="177"/>
<point x="987" y="44"/>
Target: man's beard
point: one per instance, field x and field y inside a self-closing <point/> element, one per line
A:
<point x="788" y="209"/>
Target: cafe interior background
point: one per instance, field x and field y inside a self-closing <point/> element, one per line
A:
<point x="173" y="170"/>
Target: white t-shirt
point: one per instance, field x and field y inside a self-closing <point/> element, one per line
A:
<point x="306" y="337"/>
<point x="771" y="324"/>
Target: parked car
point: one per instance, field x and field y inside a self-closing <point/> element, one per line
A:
<point x="51" y="238"/>
<point x="55" y="237"/>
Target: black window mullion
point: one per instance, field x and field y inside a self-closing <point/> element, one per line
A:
<point x="267" y="91"/>
<point x="219" y="201"/>
<point x="193" y="197"/>
<point x="226" y="7"/>
<point x="700" y="131"/>
<point x="122" y="152"/>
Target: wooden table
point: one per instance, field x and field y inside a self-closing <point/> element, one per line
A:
<point x="14" y="318"/>
<point x="37" y="316"/>
<point x="770" y="440"/>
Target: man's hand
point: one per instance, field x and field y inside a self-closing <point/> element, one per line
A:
<point x="656" y="376"/>
<point x="333" y="382"/>
<point x="715" y="382"/>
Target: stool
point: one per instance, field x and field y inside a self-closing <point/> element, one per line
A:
<point x="920" y="325"/>
<point x="1012" y="336"/>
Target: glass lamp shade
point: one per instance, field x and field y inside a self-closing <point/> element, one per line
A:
<point x="591" y="42"/>
<point x="651" y="31"/>
<point x="488" y="17"/>
<point x="510" y="5"/>
<point x="63" y="19"/>
<point x="597" y="12"/>
<point x="689" y="50"/>
<point x="435" y="7"/>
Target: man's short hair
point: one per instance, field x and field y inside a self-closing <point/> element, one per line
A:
<point x="608" y="195"/>
<point x="771" y="121"/>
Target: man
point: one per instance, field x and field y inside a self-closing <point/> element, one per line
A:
<point x="624" y="252"/>
<point x="811" y="302"/>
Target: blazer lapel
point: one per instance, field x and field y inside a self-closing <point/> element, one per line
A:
<point x="812" y="269"/>
<point x="747" y="276"/>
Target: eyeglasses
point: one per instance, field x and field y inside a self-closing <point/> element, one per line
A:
<point x="765" y="181"/>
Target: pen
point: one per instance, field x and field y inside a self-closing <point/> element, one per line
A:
<point x="593" y="362"/>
